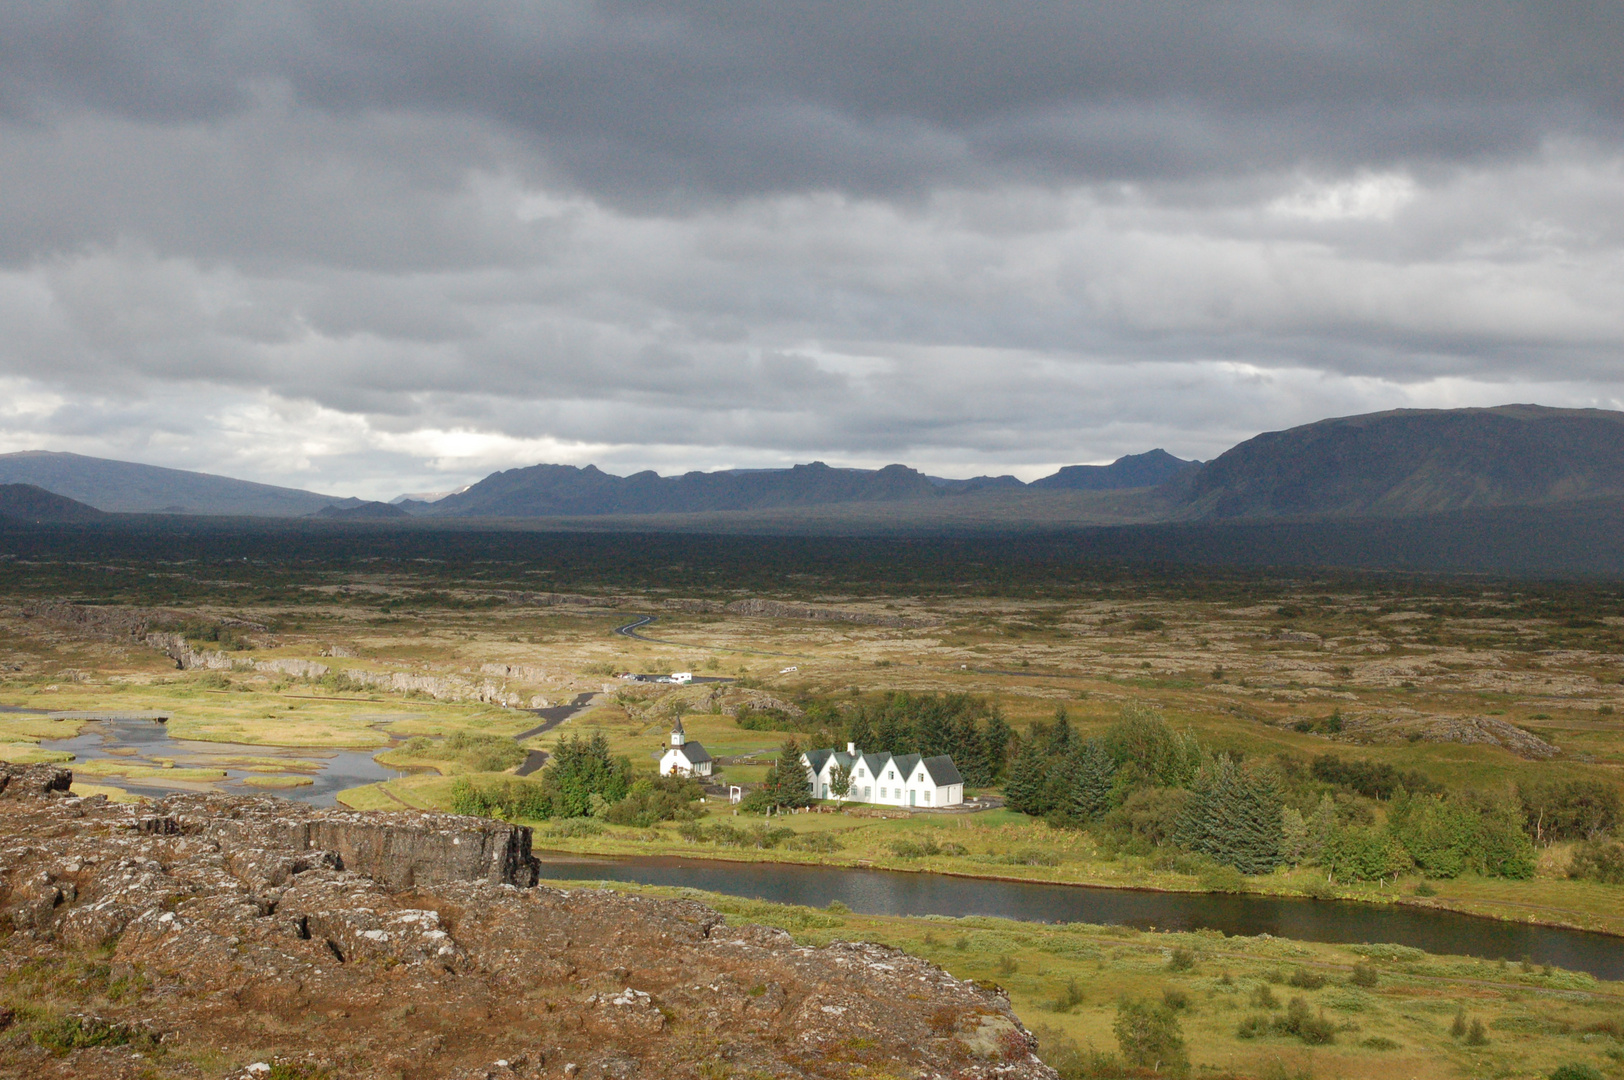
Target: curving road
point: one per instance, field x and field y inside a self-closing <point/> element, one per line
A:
<point x="551" y="718"/>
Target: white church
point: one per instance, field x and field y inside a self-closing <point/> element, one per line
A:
<point x="887" y="779"/>
<point x="684" y="758"/>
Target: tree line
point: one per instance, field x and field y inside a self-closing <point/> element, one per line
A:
<point x="965" y="727"/>
<point x="1147" y="787"/>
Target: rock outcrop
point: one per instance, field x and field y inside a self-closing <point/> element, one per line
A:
<point x="206" y="934"/>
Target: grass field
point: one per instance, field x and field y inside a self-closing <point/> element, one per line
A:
<point x="1065" y="981"/>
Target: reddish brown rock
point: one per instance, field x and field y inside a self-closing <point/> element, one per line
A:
<point x="211" y="929"/>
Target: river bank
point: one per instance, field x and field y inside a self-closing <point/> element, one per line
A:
<point x="1388" y="1009"/>
<point x="1000" y="845"/>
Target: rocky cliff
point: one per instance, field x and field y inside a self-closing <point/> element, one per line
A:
<point x="214" y="936"/>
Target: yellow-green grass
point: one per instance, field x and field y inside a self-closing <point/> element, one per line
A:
<point x="34" y="728"/>
<point x="114" y="794"/>
<point x="1533" y="1021"/>
<point x="278" y="782"/>
<point x="135" y="770"/>
<point x="27" y="753"/>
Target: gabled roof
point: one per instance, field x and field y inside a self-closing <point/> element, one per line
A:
<point x="815" y="760"/>
<point x="874" y="763"/>
<point x="942" y="771"/>
<point x="694" y="752"/>
<point x="905" y="765"/>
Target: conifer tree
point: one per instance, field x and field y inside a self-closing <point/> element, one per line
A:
<point x="787" y="783"/>
<point x="1321" y="825"/>
<point x="1024" y="791"/>
<point x="1088" y="795"/>
<point x="1233" y="817"/>
<point x="995" y="744"/>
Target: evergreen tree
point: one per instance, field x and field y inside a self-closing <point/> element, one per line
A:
<point x="1321" y="824"/>
<point x="580" y="768"/>
<point x="1061" y="735"/>
<point x="1293" y="836"/>
<point x="1233" y="817"/>
<point x="1024" y="792"/>
<point x="995" y="744"/>
<point x="787" y="783"/>
<point x="1088" y="795"/>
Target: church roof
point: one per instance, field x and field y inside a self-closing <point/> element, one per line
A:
<point x="694" y="752"/>
<point x="676" y="728"/>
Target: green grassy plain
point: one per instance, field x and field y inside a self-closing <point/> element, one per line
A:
<point x="1397" y="1029"/>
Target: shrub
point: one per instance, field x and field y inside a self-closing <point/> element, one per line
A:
<point x="822" y="842"/>
<point x="212" y="680"/>
<point x="509" y="799"/>
<point x="1424" y="889"/>
<point x="1363" y="975"/>
<point x="1253" y="1027"/>
<point x="1476" y="1035"/>
<point x="68" y="1033"/>
<point x="1071" y="996"/>
<point x="1306" y="979"/>
<point x="1301" y="1021"/>
<point x="575" y="827"/>
<point x="1458" y="1027"/>
<point x="1182" y="959"/>
<point x="1175" y="999"/>
<point x="1378" y="1042"/>
<point x="925" y="846"/>
<point x="1264" y="998"/>
<point x="1569" y="809"/>
<point x="660" y="798"/>
<point x="1576" y="1071"/>
<point x="1150" y="1038"/>
<point x="1599" y="860"/>
<point x="1373" y="780"/>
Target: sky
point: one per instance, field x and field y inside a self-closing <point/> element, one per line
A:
<point x="378" y="247"/>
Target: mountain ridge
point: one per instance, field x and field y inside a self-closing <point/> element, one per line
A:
<point x="129" y="487"/>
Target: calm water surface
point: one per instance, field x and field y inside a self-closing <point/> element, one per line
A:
<point x="886" y="892"/>
<point x="338" y="769"/>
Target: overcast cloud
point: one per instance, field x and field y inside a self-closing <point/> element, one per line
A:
<point x="380" y="247"/>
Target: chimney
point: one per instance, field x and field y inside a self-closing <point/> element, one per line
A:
<point x="851" y="748"/>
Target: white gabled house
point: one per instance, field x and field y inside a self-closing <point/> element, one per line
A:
<point x="887" y="779"/>
<point x="684" y="758"/>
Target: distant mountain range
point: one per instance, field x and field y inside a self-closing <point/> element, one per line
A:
<point x="1381" y="465"/>
<point x="129" y="488"/>
<point x="1417" y="461"/>
<point x="32" y="505"/>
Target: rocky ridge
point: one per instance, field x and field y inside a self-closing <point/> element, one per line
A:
<point x="210" y="933"/>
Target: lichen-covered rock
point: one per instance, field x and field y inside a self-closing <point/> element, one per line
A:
<point x="407" y="945"/>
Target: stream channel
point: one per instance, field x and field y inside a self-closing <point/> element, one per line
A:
<point x="144" y="741"/>
<point x="890" y="892"/>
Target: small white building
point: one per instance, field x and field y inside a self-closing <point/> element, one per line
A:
<point x="684" y="758"/>
<point x="887" y="779"/>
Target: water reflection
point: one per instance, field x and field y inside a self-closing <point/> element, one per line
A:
<point x="884" y="892"/>
<point x="332" y="771"/>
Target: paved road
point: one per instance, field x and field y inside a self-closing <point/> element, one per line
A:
<point x="551" y="718"/>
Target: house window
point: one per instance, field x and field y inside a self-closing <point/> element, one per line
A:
<point x="892" y="774"/>
<point x="927" y="796"/>
<point x="882" y="793"/>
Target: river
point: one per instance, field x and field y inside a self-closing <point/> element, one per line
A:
<point x="143" y="741"/>
<point x="889" y="892"/>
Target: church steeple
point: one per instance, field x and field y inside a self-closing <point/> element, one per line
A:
<point x="677" y="736"/>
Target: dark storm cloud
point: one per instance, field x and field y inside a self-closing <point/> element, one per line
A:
<point x="392" y="246"/>
<point x="664" y="99"/>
